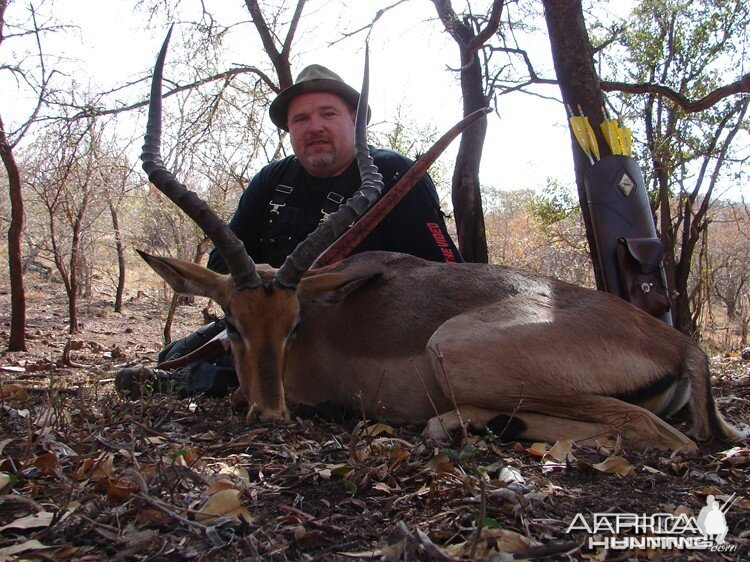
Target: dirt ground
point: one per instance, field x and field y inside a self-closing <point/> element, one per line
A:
<point x="87" y="476"/>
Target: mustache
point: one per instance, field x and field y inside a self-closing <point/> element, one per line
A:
<point x="317" y="138"/>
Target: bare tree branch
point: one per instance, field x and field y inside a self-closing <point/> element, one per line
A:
<point x="379" y="14"/>
<point x="489" y="30"/>
<point x="279" y="59"/>
<point x="712" y="98"/>
<point x="227" y="76"/>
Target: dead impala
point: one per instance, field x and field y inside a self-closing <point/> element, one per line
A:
<point x="412" y="340"/>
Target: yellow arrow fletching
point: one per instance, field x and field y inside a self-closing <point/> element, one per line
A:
<point x="593" y="145"/>
<point x="578" y="132"/>
<point x="626" y="136"/>
<point x="611" y="132"/>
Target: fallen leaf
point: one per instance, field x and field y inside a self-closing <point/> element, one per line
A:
<point x="561" y="451"/>
<point x="433" y="463"/>
<point x="683" y="510"/>
<point x="615" y="465"/>
<point x="151" y="516"/>
<point x="33" y="521"/>
<point x="46" y="463"/>
<point x="13" y="392"/>
<point x="397" y="457"/>
<point x="383" y="487"/>
<point x="511" y="475"/>
<point x="8" y="551"/>
<point x="186" y="456"/>
<point x="4" y="443"/>
<point x="225" y="503"/>
<point x="379" y="429"/>
<point x="538" y="449"/>
<point x="101" y="467"/>
<point x="118" y="491"/>
<point x="709" y="491"/>
<point x="218" y="486"/>
<point x="238" y="472"/>
<point x="507" y="541"/>
<point x="51" y="417"/>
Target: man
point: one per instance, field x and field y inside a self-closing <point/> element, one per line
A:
<point x="288" y="199"/>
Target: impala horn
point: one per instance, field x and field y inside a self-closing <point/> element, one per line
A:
<point x="231" y="249"/>
<point x="291" y="271"/>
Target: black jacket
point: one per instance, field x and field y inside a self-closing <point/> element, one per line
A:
<point x="283" y="204"/>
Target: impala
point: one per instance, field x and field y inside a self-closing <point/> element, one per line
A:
<point x="446" y="344"/>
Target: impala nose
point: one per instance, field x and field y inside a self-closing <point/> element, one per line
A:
<point x="256" y="413"/>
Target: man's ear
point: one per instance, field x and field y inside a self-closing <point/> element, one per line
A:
<point x="331" y="288"/>
<point x="190" y="278"/>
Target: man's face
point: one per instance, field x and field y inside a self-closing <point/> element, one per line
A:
<point x="321" y="128"/>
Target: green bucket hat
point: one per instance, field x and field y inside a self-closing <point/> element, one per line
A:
<point x="314" y="78"/>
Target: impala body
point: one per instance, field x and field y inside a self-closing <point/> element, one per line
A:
<point x="408" y="339"/>
<point x="411" y="340"/>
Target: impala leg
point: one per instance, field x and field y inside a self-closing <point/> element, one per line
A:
<point x="584" y="419"/>
<point x="500" y="361"/>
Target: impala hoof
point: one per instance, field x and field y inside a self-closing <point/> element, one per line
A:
<point x="238" y="400"/>
<point x="439" y="432"/>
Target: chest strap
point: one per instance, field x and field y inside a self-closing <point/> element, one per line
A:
<point x="330" y="205"/>
<point x="278" y="200"/>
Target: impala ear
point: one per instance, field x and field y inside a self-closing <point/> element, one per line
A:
<point x="190" y="278"/>
<point x="331" y="288"/>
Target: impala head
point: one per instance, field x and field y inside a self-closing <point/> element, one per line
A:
<point x="260" y="303"/>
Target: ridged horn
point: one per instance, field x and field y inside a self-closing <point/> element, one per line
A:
<point x="290" y="273"/>
<point x="231" y="249"/>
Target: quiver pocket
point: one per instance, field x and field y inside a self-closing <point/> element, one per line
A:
<point x="640" y="262"/>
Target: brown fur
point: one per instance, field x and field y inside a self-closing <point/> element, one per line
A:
<point x="494" y="341"/>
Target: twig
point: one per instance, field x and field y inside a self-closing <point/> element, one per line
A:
<point x="429" y="398"/>
<point x="480" y="517"/>
<point x="377" y="392"/>
<point x="464" y="434"/>
<point x="67" y="361"/>
<point x="176" y="516"/>
<point x="513" y="414"/>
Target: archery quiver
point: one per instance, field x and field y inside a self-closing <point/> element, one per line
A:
<point x="630" y="254"/>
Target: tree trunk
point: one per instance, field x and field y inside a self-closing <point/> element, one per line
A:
<point x="120" y="258"/>
<point x="200" y="251"/>
<point x="17" y="340"/>
<point x="72" y="286"/>
<point x="167" y="332"/>
<point x="465" y="188"/>
<point x="573" y="58"/>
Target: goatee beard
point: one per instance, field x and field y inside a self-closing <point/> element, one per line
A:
<point x="321" y="161"/>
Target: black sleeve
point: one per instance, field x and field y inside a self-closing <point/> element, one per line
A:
<point x="416" y="225"/>
<point x="246" y="222"/>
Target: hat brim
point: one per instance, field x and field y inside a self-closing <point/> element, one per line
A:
<point x="280" y="105"/>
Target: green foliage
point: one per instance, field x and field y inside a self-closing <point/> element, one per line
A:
<point x="555" y="203"/>
<point x="405" y="136"/>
